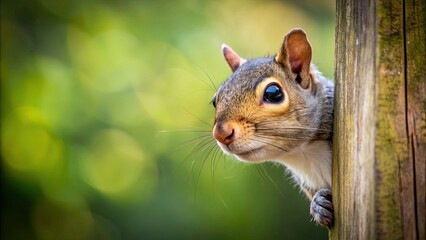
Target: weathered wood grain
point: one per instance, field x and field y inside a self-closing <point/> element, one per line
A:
<point x="380" y="131"/>
<point x="353" y="131"/>
<point x="414" y="169"/>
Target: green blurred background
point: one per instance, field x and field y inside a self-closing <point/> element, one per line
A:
<point x="106" y="119"/>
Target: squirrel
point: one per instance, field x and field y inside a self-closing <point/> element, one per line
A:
<point x="280" y="109"/>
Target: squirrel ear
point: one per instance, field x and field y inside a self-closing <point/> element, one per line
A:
<point x="296" y="54"/>
<point x="232" y="58"/>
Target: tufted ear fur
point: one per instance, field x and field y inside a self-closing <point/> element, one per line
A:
<point x="232" y="58"/>
<point x="296" y="54"/>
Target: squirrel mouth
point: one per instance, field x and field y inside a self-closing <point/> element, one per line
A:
<point x="244" y="155"/>
<point x="248" y="153"/>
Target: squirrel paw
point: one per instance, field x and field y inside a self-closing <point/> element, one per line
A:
<point x="322" y="210"/>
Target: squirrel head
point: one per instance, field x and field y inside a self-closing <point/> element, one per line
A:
<point x="268" y="106"/>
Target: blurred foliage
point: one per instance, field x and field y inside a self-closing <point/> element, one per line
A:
<point x="87" y="90"/>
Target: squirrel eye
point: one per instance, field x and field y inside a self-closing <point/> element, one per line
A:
<point x="214" y="102"/>
<point x="273" y="94"/>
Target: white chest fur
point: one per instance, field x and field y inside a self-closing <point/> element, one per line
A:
<point x="311" y="164"/>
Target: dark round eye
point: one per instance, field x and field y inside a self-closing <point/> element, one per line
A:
<point x="273" y="94"/>
<point x="214" y="102"/>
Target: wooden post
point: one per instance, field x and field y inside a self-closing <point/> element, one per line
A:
<point x="379" y="154"/>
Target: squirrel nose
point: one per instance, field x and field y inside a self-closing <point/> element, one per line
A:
<point x="224" y="133"/>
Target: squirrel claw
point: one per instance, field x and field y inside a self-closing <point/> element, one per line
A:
<point x="322" y="210"/>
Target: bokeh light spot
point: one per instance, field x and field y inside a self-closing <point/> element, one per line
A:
<point x="106" y="62"/>
<point x="115" y="162"/>
<point x="27" y="144"/>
